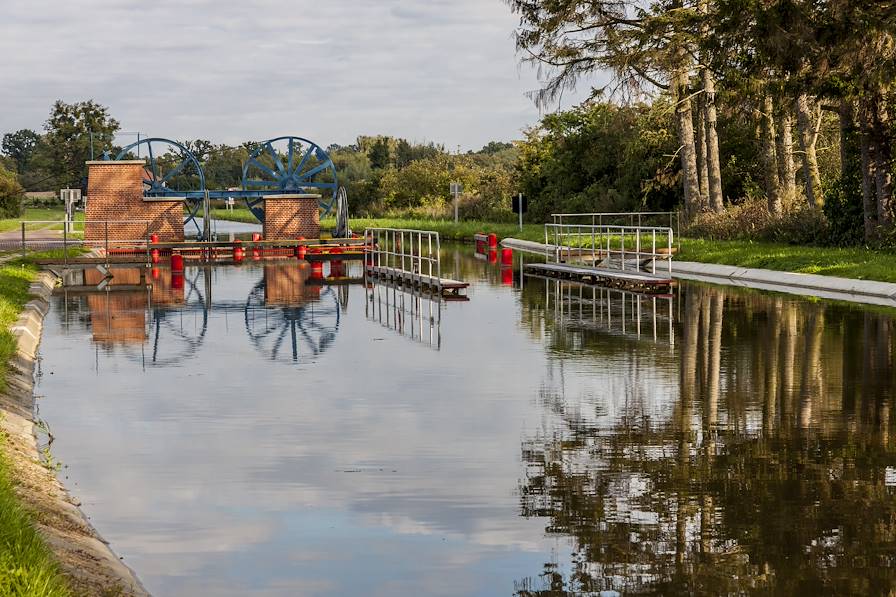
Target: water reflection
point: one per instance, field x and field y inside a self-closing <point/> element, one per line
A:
<point x="772" y="471"/>
<point x="410" y="312"/>
<point x="562" y="441"/>
<point x="288" y="313"/>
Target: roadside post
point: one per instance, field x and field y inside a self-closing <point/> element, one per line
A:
<point x="519" y="205"/>
<point x="456" y="189"/>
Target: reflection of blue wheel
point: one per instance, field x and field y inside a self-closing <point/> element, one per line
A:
<point x="171" y="168"/>
<point x="291" y="164"/>
<point x="310" y="327"/>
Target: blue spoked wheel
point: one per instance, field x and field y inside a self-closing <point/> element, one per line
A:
<point x="291" y="165"/>
<point x="171" y="169"/>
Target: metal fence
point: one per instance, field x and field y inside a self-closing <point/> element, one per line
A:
<point x="35" y="236"/>
<point x="634" y="248"/>
<point x="411" y="252"/>
<point x="629" y="218"/>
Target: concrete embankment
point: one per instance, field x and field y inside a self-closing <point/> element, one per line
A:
<point x="826" y="287"/>
<point x="87" y="560"/>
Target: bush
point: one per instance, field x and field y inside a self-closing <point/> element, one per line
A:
<point x="750" y="220"/>
<point x="844" y="212"/>
<point x="11" y="195"/>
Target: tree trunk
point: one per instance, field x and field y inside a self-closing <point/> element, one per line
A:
<point x="713" y="162"/>
<point x="805" y="128"/>
<point x="869" y="200"/>
<point x="769" y="158"/>
<point x="784" y="149"/>
<point x="685" y="118"/>
<point x="883" y="157"/>
<point x="700" y="134"/>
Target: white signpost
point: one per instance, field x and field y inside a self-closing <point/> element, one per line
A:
<point x="456" y="189"/>
<point x="70" y="197"/>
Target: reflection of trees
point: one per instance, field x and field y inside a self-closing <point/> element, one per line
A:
<point x="770" y="474"/>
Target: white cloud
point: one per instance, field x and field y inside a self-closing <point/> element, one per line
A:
<point x="232" y="71"/>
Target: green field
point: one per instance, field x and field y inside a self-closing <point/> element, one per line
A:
<point x="27" y="567"/>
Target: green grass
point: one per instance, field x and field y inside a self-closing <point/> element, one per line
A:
<point x="854" y="262"/>
<point x="27" y="567"/>
<point x="31" y="214"/>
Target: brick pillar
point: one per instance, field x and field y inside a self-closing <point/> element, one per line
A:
<point x="290" y="216"/>
<point x="115" y="192"/>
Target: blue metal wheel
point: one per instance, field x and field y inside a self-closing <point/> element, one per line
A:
<point x="170" y="169"/>
<point x="290" y="165"/>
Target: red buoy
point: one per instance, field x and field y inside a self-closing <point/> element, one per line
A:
<point x="301" y="251"/>
<point x="238" y="253"/>
<point x="256" y="236"/>
<point x="506" y="257"/>
<point x="493" y="257"/>
<point x="153" y="238"/>
<point x="155" y="273"/>
<point x="177" y="280"/>
<point x="492" y="241"/>
<point x="317" y="269"/>
<point x="155" y="255"/>
<point x="507" y="276"/>
<point x="177" y="263"/>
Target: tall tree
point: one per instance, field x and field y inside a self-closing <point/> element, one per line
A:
<point x="73" y="132"/>
<point x="20" y="146"/>
<point x="646" y="47"/>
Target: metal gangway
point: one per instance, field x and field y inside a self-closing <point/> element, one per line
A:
<point x="409" y="258"/>
<point x="632" y="257"/>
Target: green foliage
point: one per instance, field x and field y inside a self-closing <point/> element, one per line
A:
<point x="844" y="212"/>
<point x="71" y="129"/>
<point x="11" y="194"/>
<point x="20" y="146"/>
<point x="600" y="157"/>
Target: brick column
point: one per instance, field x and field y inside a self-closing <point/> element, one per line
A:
<point x="115" y="192"/>
<point x="290" y="216"/>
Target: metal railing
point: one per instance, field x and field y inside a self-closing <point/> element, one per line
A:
<point x="414" y="252"/>
<point x="630" y="218"/>
<point x="611" y="246"/>
<point x="45" y="235"/>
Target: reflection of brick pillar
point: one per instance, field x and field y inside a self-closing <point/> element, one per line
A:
<point x="115" y="192"/>
<point x="284" y="285"/>
<point x="290" y="216"/>
<point x="117" y="317"/>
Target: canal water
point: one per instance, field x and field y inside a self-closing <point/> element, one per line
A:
<point x="253" y="430"/>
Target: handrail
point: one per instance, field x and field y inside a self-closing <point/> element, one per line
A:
<point x="577" y="239"/>
<point x="395" y="248"/>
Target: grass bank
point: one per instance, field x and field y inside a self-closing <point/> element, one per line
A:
<point x="854" y="262"/>
<point x="32" y="214"/>
<point x="27" y="567"/>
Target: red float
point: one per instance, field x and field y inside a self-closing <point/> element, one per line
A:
<point x="177" y="263"/>
<point x="506" y="257"/>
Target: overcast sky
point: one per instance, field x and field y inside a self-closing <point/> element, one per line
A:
<point x="440" y="70"/>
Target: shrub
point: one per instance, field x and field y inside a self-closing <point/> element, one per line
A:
<point x="750" y="220"/>
<point x="11" y="195"/>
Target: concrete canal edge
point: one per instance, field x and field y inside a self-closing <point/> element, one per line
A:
<point x="84" y="557"/>
<point x="825" y="287"/>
